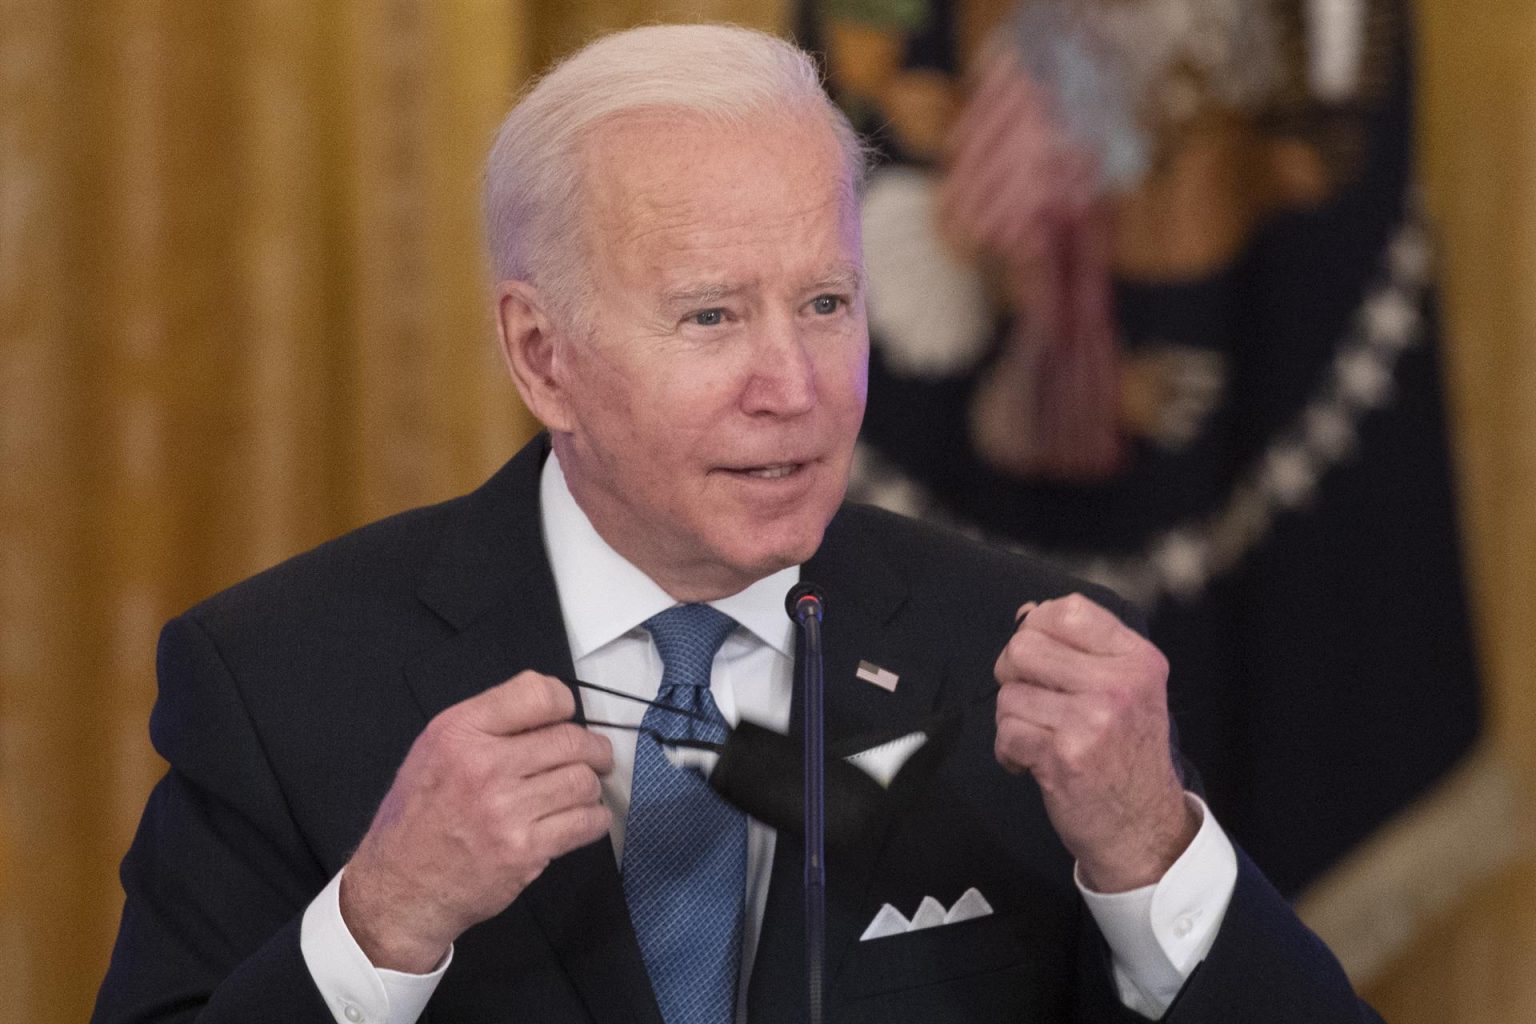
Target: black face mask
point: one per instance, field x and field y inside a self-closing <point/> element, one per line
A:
<point x="761" y="772"/>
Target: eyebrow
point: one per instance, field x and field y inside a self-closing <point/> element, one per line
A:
<point x="700" y="294"/>
<point x="848" y="276"/>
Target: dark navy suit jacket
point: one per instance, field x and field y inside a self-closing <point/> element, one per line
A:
<point x="287" y="703"/>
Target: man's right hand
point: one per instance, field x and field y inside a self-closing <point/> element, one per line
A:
<point x="492" y="790"/>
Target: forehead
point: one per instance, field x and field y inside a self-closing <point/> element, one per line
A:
<point x="666" y="190"/>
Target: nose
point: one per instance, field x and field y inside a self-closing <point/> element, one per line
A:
<point x="783" y="374"/>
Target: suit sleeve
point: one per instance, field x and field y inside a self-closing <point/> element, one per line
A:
<point x="1264" y="967"/>
<point x="218" y="876"/>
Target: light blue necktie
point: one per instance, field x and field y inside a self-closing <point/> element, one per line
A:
<point x="685" y="849"/>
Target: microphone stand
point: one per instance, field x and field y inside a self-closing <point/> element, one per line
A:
<point x="805" y="607"/>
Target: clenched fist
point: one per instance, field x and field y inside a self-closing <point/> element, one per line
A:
<point x="492" y="790"/>
<point x="1082" y="706"/>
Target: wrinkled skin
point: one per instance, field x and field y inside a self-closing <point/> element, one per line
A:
<point x="1082" y="705"/>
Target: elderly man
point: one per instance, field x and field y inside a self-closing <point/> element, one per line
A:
<point x="385" y="805"/>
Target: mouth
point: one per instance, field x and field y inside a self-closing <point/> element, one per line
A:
<point x="770" y="471"/>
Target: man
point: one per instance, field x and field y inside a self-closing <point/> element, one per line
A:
<point x="383" y="804"/>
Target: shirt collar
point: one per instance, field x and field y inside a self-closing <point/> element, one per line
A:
<point x="603" y="596"/>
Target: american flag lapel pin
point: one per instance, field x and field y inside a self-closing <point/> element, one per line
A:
<point x="881" y="677"/>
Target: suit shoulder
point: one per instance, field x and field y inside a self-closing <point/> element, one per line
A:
<point x="929" y="548"/>
<point x="968" y="569"/>
<point x="381" y="559"/>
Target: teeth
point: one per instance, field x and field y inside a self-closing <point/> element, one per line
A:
<point x="771" y="472"/>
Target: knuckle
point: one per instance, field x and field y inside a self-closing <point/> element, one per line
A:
<point x="520" y="845"/>
<point x="567" y="741"/>
<point x="1102" y="715"/>
<point x="562" y="700"/>
<point x="598" y="819"/>
<point x="1116" y="701"/>
<point x="534" y="695"/>
<point x="1010" y="700"/>
<point x="512" y="844"/>
<point x="1073" y="756"/>
<point x="1008" y="752"/>
<point x="551" y="698"/>
<point x="602" y="748"/>
<point x="1017" y="651"/>
<point x="1049" y="613"/>
<point x="1002" y="746"/>
<point x="579" y="785"/>
<point x="1075" y="610"/>
<point x="473" y="765"/>
<point x="1141" y="674"/>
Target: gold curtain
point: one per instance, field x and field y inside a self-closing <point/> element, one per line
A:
<point x="243" y="310"/>
<point x="1478" y="146"/>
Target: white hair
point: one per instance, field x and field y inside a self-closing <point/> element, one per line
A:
<point x="533" y="176"/>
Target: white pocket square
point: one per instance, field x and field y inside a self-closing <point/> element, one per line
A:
<point x="883" y="762"/>
<point x="930" y="914"/>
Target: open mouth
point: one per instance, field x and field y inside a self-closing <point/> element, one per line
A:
<point x="773" y="471"/>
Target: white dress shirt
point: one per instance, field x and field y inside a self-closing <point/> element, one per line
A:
<point x="1156" y="934"/>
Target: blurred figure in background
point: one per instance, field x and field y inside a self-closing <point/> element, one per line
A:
<point x="1150" y="292"/>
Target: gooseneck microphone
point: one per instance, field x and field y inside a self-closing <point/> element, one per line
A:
<point x="805" y="606"/>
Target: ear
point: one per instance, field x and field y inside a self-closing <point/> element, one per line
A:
<point x="530" y="348"/>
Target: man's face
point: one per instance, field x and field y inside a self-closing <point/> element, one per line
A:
<point x="712" y="413"/>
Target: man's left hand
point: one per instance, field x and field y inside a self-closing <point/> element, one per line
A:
<point x="1082" y="705"/>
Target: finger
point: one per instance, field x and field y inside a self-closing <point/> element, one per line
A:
<point x="570" y="829"/>
<point x="526" y="701"/>
<point x="1035" y="705"/>
<point x="559" y="789"/>
<point x="1079" y="622"/>
<point x="563" y="743"/>
<point x="1034" y="657"/>
<point x="1020" y="746"/>
<point x="1023" y="612"/>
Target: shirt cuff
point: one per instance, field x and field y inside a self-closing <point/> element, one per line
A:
<point x="1158" y="934"/>
<point x="355" y="990"/>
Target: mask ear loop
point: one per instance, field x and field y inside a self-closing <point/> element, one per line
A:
<point x="988" y="694"/>
<point x="658" y="737"/>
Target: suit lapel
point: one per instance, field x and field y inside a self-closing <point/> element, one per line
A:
<point x="866" y="599"/>
<point x="491" y="580"/>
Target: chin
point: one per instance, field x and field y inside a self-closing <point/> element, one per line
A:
<point x="757" y="542"/>
<point x="781" y="553"/>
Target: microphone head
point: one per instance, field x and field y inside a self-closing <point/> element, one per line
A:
<point x="804" y="599"/>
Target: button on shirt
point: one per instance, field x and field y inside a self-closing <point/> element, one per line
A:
<point x="1156" y="934"/>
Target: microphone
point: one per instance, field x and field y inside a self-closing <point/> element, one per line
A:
<point x="805" y="606"/>
<point x="805" y="600"/>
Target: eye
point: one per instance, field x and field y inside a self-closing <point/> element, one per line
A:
<point x="707" y="317"/>
<point x="826" y="305"/>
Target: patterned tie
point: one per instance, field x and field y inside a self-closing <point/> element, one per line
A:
<point x="685" y="849"/>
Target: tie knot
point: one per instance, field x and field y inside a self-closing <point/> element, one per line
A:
<point x="688" y="638"/>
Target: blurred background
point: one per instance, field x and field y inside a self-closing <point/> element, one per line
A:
<point x="1229" y="303"/>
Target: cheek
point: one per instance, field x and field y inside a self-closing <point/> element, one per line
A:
<point x="850" y="378"/>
